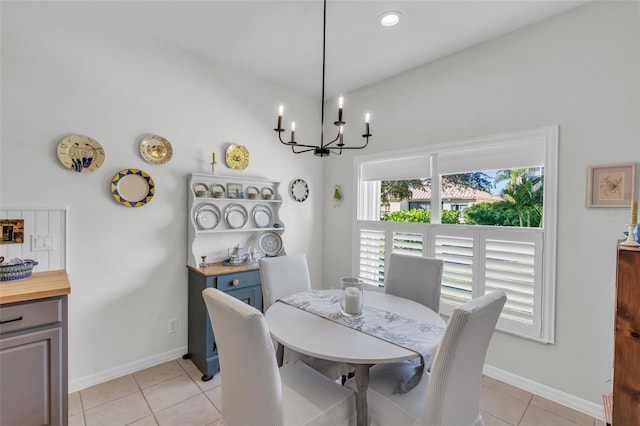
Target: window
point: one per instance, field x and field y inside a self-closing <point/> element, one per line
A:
<point x="478" y="259"/>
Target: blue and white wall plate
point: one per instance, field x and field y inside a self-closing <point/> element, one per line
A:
<point x="299" y="190"/>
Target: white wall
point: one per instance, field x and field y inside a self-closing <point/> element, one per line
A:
<point x="580" y="70"/>
<point x="127" y="265"/>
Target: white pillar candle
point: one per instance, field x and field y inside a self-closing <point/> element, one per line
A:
<point x="352" y="300"/>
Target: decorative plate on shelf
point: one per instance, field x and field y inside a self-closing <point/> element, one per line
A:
<point x="156" y="150"/>
<point x="270" y="243"/>
<point x="267" y="193"/>
<point x="132" y="187"/>
<point x="200" y="189"/>
<point x="252" y="192"/>
<point x="207" y="216"/>
<point x="262" y="215"/>
<point x="217" y="190"/>
<point x="299" y="190"/>
<point x="237" y="157"/>
<point x="235" y="215"/>
<point x="80" y="153"/>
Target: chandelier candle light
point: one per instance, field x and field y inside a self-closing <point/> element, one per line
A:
<point x="324" y="149"/>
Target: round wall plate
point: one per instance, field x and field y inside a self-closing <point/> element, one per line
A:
<point x="80" y="153"/>
<point x="237" y="157"/>
<point x="299" y="190"/>
<point x="132" y="187"/>
<point x="156" y="150"/>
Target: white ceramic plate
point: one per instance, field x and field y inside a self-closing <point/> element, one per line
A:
<point x="207" y="216"/>
<point x="236" y="216"/>
<point x="270" y="243"/>
<point x="261" y="216"/>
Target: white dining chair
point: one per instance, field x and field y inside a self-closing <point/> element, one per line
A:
<point x="416" y="278"/>
<point x="282" y="276"/>
<point x="450" y="395"/>
<point x="285" y="275"/>
<point x="254" y="391"/>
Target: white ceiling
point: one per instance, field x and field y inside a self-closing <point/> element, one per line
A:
<point x="281" y="41"/>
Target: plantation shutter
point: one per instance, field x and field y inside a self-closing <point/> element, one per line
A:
<point x="513" y="264"/>
<point x="457" y="251"/>
<point x="372" y="251"/>
<point x="407" y="243"/>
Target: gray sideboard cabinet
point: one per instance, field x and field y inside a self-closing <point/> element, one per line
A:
<point x="241" y="282"/>
<point x="33" y="350"/>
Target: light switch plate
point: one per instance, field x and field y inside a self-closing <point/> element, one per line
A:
<point x="42" y="242"/>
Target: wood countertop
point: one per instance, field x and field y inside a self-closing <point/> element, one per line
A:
<point x="38" y="286"/>
<point x="219" y="268"/>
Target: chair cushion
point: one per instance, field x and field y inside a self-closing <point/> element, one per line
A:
<point x="310" y="398"/>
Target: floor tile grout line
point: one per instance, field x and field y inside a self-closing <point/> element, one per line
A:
<point x="524" y="413"/>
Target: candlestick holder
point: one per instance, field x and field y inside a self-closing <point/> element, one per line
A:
<point x="631" y="241"/>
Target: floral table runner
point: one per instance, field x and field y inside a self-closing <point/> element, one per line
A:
<point x="420" y="337"/>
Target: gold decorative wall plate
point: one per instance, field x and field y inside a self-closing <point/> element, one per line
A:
<point x="237" y="157"/>
<point x="156" y="150"/>
<point x="80" y="153"/>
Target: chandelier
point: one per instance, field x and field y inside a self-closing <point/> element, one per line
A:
<point x="324" y="149"/>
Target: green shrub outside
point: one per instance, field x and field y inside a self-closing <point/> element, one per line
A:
<point x="478" y="214"/>
<point x="420" y="215"/>
<point x="490" y="214"/>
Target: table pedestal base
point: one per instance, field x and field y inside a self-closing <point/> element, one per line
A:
<point x="362" y="384"/>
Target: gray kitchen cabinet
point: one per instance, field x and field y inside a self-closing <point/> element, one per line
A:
<point x="33" y="363"/>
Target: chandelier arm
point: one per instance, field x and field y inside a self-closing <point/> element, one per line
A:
<point x="353" y="147"/>
<point x="294" y="144"/>
<point x="330" y="143"/>
<point x="304" y="150"/>
<point x="301" y="145"/>
<point x="280" y="137"/>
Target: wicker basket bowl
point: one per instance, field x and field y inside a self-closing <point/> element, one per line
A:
<point x="17" y="271"/>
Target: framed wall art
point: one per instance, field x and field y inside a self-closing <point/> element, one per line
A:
<point x="611" y="185"/>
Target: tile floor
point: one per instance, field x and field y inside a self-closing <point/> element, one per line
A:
<point x="173" y="394"/>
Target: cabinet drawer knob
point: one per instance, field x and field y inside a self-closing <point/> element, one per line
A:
<point x="235" y="282"/>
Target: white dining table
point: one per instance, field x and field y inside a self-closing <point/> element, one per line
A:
<point x="313" y="335"/>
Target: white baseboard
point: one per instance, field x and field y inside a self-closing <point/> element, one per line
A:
<point x="590" y="408"/>
<point x="113" y="373"/>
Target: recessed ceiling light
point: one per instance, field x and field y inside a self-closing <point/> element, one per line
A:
<point x="389" y="19"/>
